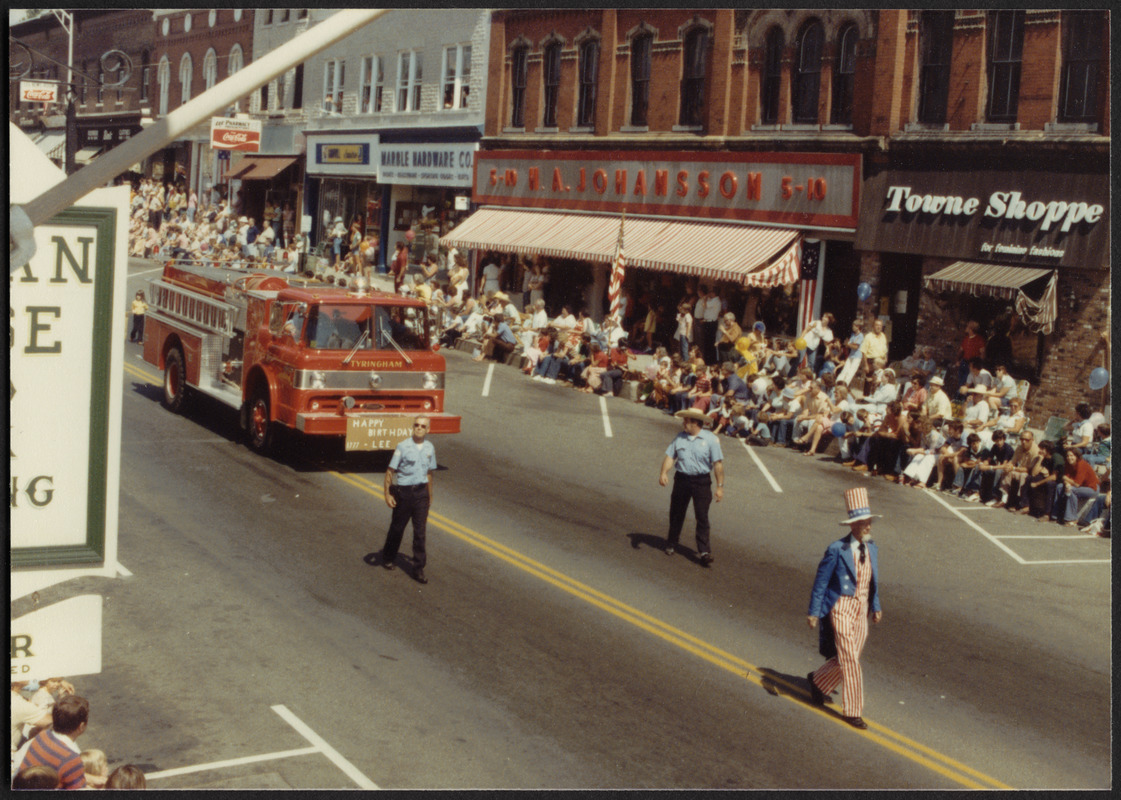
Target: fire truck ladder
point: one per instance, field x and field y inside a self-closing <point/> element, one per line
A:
<point x="206" y="313"/>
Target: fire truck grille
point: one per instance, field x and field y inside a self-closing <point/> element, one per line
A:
<point x="364" y="380"/>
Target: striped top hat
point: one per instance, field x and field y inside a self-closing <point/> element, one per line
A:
<point x="856" y="500"/>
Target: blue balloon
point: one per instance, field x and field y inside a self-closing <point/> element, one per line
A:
<point x="1099" y="378"/>
<point x="863" y="291"/>
<point x="838" y="429"/>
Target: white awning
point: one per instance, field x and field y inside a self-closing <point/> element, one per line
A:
<point x="714" y="250"/>
<point x="86" y="155"/>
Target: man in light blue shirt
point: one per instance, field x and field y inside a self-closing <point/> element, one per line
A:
<point x="410" y="497"/>
<point x="696" y="454"/>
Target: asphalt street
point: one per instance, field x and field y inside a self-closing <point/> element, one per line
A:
<point x="556" y="645"/>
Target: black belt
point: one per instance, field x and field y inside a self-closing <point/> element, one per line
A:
<point x="412" y="487"/>
<point x="705" y="477"/>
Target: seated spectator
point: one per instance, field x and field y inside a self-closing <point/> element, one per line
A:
<point x="127" y="776"/>
<point x="28" y="718"/>
<point x="1082" y="428"/>
<point x="729" y="332"/>
<point x="937" y="406"/>
<point x="816" y="408"/>
<point x="914" y="399"/>
<point x="1079" y="483"/>
<point x="911" y="362"/>
<point x="535" y="325"/>
<point x="37" y="777"/>
<point x="1100" y="512"/>
<point x="1099" y="453"/>
<point x="1003" y="388"/>
<point x="1037" y="494"/>
<point x="927" y="364"/>
<point x="499" y="340"/>
<point x="96" y="766"/>
<point x="853" y="354"/>
<point x="545" y="344"/>
<point x="967" y="478"/>
<point x="590" y="377"/>
<point x="701" y="392"/>
<point x="885" y="444"/>
<point x="55" y="748"/>
<point x="994" y="467"/>
<point x="619" y="358"/>
<point x="977" y="412"/>
<point x="978" y="377"/>
<point x="1010" y="424"/>
<point x="924" y="454"/>
<point x="945" y="468"/>
<point x="780" y="419"/>
<point x="1024" y="458"/>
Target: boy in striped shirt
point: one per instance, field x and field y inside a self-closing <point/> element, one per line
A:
<point x="55" y="748"/>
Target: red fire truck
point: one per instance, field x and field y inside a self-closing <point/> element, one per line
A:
<point x="295" y="353"/>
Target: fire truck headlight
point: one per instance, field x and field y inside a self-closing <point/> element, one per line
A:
<point x="375" y="380"/>
<point x="431" y="380"/>
<point x="318" y="380"/>
<point x="314" y="405"/>
<point x="427" y="405"/>
<point x="348" y="401"/>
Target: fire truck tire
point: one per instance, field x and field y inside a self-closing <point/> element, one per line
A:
<point x="260" y="429"/>
<point x="174" y="380"/>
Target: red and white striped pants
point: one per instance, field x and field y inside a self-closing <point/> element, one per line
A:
<point x="850" y="630"/>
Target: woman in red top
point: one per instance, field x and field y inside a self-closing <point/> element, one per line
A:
<point x="972" y="346"/>
<point x="1080" y="482"/>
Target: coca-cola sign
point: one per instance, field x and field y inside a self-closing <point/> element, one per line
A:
<point x="37" y="92"/>
<point x="235" y="134"/>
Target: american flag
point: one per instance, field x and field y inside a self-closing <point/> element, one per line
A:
<point x="811" y="252"/>
<point x="618" y="267"/>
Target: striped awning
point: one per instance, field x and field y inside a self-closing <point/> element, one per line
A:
<point x="712" y="250"/>
<point x="989" y="280"/>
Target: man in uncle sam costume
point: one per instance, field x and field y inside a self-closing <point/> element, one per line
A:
<point x="845" y="594"/>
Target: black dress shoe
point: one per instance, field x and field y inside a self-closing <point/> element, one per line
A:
<point x="388" y="563"/>
<point x="669" y="549"/>
<point x="706" y="559"/>
<point x="418" y="575"/>
<point x="819" y="697"/>
<point x="856" y="722"/>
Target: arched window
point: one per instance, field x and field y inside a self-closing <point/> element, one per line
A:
<point x="210" y="68"/>
<point x="1006" y="46"/>
<point x="186" y="66"/>
<point x="145" y="75"/>
<point x="936" y="46"/>
<point x="695" y="55"/>
<point x="1082" y="53"/>
<point x="163" y="76"/>
<point x="235" y="62"/>
<point x="769" y="92"/>
<point x="844" y="76"/>
<point x="517" y="87"/>
<point x="807" y="77"/>
<point x="641" y="48"/>
<point x="551" y="78"/>
<point x="589" y="75"/>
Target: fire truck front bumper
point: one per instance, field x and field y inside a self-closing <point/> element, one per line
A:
<point x="331" y="423"/>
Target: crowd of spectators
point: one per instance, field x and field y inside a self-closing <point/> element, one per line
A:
<point x="45" y="730"/>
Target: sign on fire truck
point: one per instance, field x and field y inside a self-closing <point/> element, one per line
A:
<point x="296" y="354"/>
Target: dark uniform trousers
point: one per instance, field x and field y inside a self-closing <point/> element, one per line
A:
<point x="412" y="503"/>
<point x="697" y="488"/>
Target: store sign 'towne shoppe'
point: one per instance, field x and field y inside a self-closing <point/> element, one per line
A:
<point x="1041" y="218"/>
<point x="808" y="190"/>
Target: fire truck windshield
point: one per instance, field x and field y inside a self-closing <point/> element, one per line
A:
<point x="373" y="327"/>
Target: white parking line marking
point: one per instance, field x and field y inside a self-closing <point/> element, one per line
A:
<point x="979" y="529"/>
<point x="606" y="421"/>
<point x="124" y="573"/>
<point x="331" y="753"/>
<point x="763" y="469"/>
<point x="1053" y="536"/>
<point x="486" y="383"/>
<point x="1075" y="561"/>
<point x="231" y="762"/>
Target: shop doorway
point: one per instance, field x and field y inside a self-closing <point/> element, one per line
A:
<point x="838" y="289"/>
<point x="900" y="285"/>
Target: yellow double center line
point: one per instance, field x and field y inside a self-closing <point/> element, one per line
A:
<point x="896" y="742"/>
<point x="887" y="738"/>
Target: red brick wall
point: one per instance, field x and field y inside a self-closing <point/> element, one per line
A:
<point x="1039" y="74"/>
<point x="968" y="82"/>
